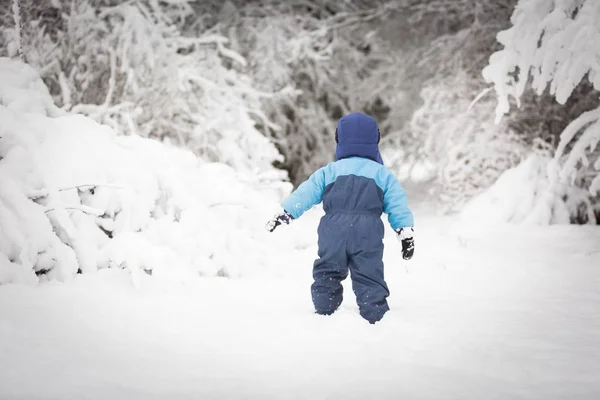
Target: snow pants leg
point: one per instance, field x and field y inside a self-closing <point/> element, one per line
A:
<point x="350" y="243"/>
<point x="329" y="270"/>
<point x="366" y="268"/>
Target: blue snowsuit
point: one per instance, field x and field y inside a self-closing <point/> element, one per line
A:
<point x="355" y="190"/>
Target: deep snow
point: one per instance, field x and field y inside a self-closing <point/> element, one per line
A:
<point x="492" y="312"/>
<point x="480" y="313"/>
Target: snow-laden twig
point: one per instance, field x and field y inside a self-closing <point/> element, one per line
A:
<point x="117" y="9"/>
<point x="37" y="194"/>
<point x="16" y="9"/>
<point x="341" y="20"/>
<point x="65" y="90"/>
<point x="112" y="79"/>
<point x="479" y="97"/>
<point x="82" y="208"/>
<point x="264" y="119"/>
<point x="233" y="55"/>
<point x="574" y="128"/>
<point x="207" y="39"/>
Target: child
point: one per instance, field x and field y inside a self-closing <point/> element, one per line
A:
<point x="355" y="190"/>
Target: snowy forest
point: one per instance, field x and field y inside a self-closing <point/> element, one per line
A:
<point x="156" y="138"/>
<point x="260" y="84"/>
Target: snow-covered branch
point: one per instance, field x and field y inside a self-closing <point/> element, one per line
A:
<point x="82" y="208"/>
<point x="38" y="194"/>
<point x="16" y="9"/>
<point x="554" y="45"/>
<point x="130" y="66"/>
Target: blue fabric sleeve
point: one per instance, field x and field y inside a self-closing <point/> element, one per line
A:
<point x="309" y="193"/>
<point x="395" y="203"/>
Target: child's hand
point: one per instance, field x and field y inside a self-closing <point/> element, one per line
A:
<point x="282" y="218"/>
<point x="405" y="235"/>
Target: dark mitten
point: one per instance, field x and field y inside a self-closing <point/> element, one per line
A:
<point x="406" y="237"/>
<point x="282" y="218"/>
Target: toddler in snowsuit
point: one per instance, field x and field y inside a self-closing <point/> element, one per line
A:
<point x="355" y="190"/>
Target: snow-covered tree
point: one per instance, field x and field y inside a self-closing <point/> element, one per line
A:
<point x="455" y="146"/>
<point x="323" y="51"/>
<point x="129" y="65"/>
<point x="554" y="46"/>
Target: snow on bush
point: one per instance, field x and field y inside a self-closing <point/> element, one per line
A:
<point x="446" y="141"/>
<point x="555" y="44"/>
<point x="523" y="194"/>
<point x="130" y="65"/>
<point x="327" y="53"/>
<point x="463" y="147"/>
<point x="75" y="196"/>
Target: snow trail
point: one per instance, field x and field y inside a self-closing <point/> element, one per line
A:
<point x="494" y="313"/>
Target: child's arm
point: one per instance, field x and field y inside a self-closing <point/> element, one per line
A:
<point x="395" y="204"/>
<point x="399" y="215"/>
<point x="309" y="193"/>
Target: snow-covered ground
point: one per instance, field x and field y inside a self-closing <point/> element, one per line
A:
<point x="480" y="313"/>
<point x="183" y="295"/>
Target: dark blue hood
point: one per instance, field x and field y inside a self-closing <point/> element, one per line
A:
<point x="357" y="135"/>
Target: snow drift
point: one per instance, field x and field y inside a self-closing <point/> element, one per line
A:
<point x="527" y="194"/>
<point x="75" y="197"/>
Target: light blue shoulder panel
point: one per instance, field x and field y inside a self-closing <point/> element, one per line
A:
<point x="311" y="191"/>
